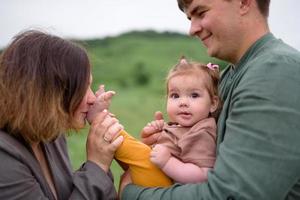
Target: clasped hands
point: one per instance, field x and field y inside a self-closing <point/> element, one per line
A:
<point x="103" y="139"/>
<point x="160" y="154"/>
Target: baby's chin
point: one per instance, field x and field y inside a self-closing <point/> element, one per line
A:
<point x="185" y="123"/>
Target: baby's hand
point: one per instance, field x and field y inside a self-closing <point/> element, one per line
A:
<point x="160" y="155"/>
<point x="103" y="100"/>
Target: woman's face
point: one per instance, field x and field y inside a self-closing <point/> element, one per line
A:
<point x="82" y="110"/>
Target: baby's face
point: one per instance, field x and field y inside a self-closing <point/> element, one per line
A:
<point x="188" y="99"/>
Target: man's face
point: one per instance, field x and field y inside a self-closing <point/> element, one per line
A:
<point x="216" y="24"/>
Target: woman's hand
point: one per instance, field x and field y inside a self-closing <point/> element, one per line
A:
<point x="103" y="140"/>
<point x="151" y="131"/>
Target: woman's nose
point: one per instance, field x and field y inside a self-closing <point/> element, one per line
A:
<point x="92" y="97"/>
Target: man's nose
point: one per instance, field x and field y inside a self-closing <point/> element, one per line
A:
<point x="195" y="27"/>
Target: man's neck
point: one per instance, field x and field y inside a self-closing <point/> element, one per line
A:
<point x="254" y="30"/>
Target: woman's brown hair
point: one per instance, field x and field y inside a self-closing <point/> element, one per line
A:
<point x="43" y="79"/>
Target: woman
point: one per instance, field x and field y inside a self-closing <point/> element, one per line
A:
<point x="45" y="91"/>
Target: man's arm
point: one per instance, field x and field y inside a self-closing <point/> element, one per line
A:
<point x="259" y="155"/>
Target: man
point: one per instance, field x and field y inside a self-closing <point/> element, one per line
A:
<point x="258" y="154"/>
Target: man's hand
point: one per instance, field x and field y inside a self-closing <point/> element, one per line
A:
<point x="124" y="181"/>
<point x="151" y="131"/>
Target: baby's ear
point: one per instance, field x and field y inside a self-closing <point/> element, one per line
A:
<point x="214" y="104"/>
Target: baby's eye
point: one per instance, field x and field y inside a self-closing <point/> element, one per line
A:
<point x="195" y="95"/>
<point x="174" y="95"/>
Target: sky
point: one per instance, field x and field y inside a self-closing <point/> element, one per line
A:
<point x="86" y="19"/>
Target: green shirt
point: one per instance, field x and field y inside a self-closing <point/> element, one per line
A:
<point x="258" y="145"/>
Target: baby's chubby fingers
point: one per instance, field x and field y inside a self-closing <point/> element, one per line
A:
<point x="103" y="95"/>
<point x="158" y="115"/>
<point x="107" y="96"/>
<point x="103" y="101"/>
<point x="101" y="90"/>
<point x="157" y="124"/>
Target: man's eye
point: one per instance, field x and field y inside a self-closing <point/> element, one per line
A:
<point x="201" y="14"/>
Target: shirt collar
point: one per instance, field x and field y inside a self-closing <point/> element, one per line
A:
<point x="254" y="49"/>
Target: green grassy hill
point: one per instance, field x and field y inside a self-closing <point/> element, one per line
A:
<point x="117" y="60"/>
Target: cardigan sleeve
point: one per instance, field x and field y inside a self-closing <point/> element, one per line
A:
<point x="22" y="178"/>
<point x="91" y="182"/>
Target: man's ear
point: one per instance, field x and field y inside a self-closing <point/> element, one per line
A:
<point x="245" y="6"/>
<point x="214" y="104"/>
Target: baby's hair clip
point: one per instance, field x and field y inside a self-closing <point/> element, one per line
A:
<point x="212" y="66"/>
<point x="183" y="60"/>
